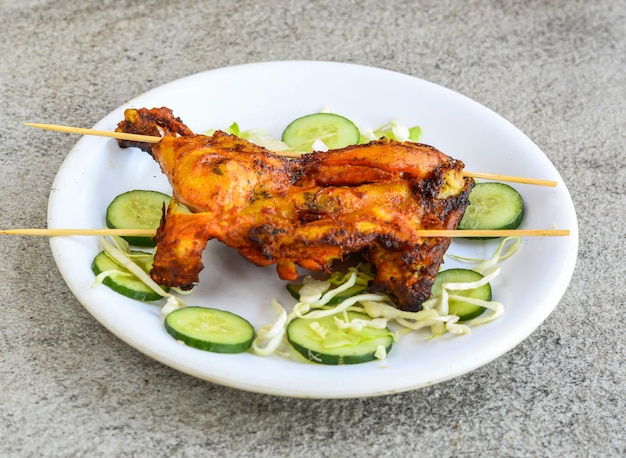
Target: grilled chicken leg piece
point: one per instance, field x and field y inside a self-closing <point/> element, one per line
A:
<point x="308" y="212"/>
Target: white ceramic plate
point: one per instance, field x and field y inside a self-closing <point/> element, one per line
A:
<point x="270" y="95"/>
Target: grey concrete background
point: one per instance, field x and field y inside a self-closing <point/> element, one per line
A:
<point x="554" y="68"/>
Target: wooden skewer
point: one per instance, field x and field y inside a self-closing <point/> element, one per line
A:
<point x="98" y="133"/>
<point x="421" y="233"/>
<point x="509" y="178"/>
<point x="494" y="233"/>
<point x="66" y="232"/>
<point x="152" y="139"/>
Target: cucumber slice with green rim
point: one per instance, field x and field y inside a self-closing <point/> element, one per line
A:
<point x="294" y="290"/>
<point x="464" y="310"/>
<point x="338" y="346"/>
<point x="493" y="206"/>
<point x="127" y="285"/>
<point x="210" y="329"/>
<point x="334" y="130"/>
<point x="137" y="209"/>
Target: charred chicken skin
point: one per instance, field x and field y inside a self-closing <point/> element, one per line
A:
<point x="308" y="212"/>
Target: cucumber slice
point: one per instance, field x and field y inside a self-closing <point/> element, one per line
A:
<point x="339" y="346"/>
<point x="294" y="290"/>
<point x="334" y="130"/>
<point x="210" y="329"/>
<point x="137" y="209"/>
<point x="128" y="285"/>
<point x="464" y="310"/>
<point x="493" y="206"/>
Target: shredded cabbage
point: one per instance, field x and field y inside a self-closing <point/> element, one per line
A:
<point x="484" y="265"/>
<point x="315" y="296"/>
<point x="393" y="130"/>
<point x="119" y="250"/>
<point x="269" y="337"/>
<point x="319" y="145"/>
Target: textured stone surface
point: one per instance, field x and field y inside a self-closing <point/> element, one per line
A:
<point x="555" y="69"/>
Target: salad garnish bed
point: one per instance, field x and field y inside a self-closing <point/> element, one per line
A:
<point x="334" y="319"/>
